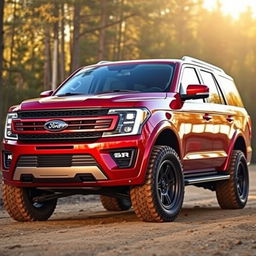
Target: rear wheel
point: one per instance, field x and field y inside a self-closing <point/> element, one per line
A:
<point x="233" y="193"/>
<point x="20" y="206"/>
<point x="160" y="198"/>
<point x="115" y="204"/>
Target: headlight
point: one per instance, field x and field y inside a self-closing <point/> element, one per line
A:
<point x="130" y="121"/>
<point x="8" y="127"/>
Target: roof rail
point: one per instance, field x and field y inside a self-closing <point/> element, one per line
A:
<point x="197" y="61"/>
<point x="104" y="61"/>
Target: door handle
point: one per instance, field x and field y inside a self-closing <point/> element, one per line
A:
<point x="230" y="119"/>
<point x="207" y="117"/>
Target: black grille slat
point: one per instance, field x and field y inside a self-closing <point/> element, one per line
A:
<point x="65" y="160"/>
<point x="62" y="113"/>
<point x="76" y="136"/>
<point x="82" y="163"/>
<point x="28" y="161"/>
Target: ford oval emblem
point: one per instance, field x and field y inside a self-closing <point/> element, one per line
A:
<point x="55" y="125"/>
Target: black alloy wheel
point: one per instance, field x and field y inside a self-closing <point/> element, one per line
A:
<point x="167" y="185"/>
<point x="160" y="198"/>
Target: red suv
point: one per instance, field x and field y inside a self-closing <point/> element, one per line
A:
<point x="134" y="132"/>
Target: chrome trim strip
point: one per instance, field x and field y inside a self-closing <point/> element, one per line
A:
<point x="191" y="181"/>
<point x="205" y="155"/>
<point x="59" y="172"/>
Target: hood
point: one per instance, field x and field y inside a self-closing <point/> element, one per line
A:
<point x="92" y="101"/>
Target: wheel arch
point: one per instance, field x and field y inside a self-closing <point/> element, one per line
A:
<point x="167" y="137"/>
<point x="240" y="145"/>
<point x="238" y="142"/>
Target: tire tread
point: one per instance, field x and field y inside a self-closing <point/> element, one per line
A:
<point x="226" y="190"/>
<point x="142" y="196"/>
<point x="14" y="204"/>
<point x="112" y="203"/>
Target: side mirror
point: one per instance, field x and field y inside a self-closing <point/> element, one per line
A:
<point x="195" y="91"/>
<point x="46" y="93"/>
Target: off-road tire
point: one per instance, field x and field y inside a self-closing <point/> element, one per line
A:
<point x="115" y="204"/>
<point x="233" y="193"/>
<point x="147" y="199"/>
<point x="18" y="203"/>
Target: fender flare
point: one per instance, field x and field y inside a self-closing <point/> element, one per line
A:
<point x="235" y="136"/>
<point x="157" y="130"/>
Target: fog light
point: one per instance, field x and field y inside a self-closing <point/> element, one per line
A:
<point x="124" y="158"/>
<point x="7" y="157"/>
<point x="128" y="129"/>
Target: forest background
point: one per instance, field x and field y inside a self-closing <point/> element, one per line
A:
<point x="43" y="41"/>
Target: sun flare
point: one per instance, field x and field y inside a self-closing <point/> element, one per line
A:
<point x="232" y="7"/>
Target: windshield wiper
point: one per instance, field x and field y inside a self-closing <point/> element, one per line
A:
<point x="69" y="94"/>
<point x="116" y="90"/>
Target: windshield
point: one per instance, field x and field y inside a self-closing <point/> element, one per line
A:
<point x="124" y="78"/>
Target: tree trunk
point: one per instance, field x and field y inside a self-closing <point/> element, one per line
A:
<point x="1" y="64"/>
<point x="12" y="40"/>
<point x="9" y="84"/>
<point x="75" y="48"/>
<point x="55" y="49"/>
<point x="1" y="41"/>
<point x="120" y="30"/>
<point x="47" y="61"/>
<point x="62" y="44"/>
<point x="102" y="33"/>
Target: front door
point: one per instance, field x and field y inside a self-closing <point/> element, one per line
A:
<point x="195" y="126"/>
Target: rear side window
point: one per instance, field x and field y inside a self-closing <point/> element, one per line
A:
<point x="230" y="91"/>
<point x="214" y="96"/>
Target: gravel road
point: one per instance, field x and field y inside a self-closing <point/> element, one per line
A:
<point x="80" y="226"/>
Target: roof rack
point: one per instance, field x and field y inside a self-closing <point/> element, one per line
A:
<point x="104" y="61"/>
<point x="197" y="61"/>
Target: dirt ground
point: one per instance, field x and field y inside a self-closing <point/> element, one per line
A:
<point x="80" y="226"/>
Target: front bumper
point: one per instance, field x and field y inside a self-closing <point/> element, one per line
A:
<point x="106" y="171"/>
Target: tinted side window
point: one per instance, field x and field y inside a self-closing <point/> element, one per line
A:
<point x="189" y="76"/>
<point x="230" y="91"/>
<point x="208" y="80"/>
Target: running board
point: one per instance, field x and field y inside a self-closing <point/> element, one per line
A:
<point x="203" y="179"/>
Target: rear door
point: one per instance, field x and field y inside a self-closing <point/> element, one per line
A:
<point x="237" y="116"/>
<point x="222" y="120"/>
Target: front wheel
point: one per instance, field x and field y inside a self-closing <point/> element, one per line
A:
<point x="20" y="206"/>
<point x="233" y="193"/>
<point x="160" y="198"/>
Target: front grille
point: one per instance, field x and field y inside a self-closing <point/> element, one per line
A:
<point x="78" y="136"/>
<point x="87" y="125"/>
<point x="62" y="113"/>
<point x="81" y="125"/>
<point x="65" y="160"/>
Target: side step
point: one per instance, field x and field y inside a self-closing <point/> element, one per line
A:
<point x="207" y="178"/>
